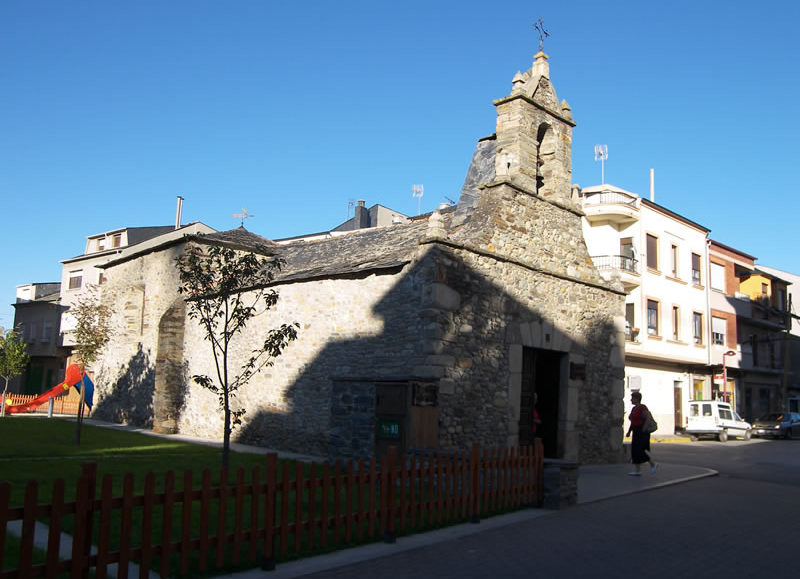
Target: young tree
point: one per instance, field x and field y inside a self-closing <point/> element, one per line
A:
<point x="13" y="359"/>
<point x="92" y="332"/>
<point x="92" y="328"/>
<point x="223" y="289"/>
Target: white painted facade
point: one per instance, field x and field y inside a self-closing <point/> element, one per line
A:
<point x="660" y="258"/>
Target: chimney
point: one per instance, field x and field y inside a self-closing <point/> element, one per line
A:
<point x="178" y="212"/>
<point x="360" y="215"/>
<point x="652" y="185"/>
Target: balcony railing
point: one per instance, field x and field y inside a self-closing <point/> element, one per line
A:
<point x="616" y="262"/>
<point x="608" y="198"/>
<point x="631" y="334"/>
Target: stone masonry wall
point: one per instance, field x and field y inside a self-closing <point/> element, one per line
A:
<point x="347" y="329"/>
<point x="453" y="315"/>
<point x="140" y="292"/>
<point x="502" y="307"/>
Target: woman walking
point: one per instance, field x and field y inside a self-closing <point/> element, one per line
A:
<point x="640" y="443"/>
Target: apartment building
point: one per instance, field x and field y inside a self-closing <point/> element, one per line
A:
<point x="763" y="340"/>
<point x="659" y="258"/>
<point x="792" y="335"/>
<point x="702" y="320"/>
<point x="37" y="317"/>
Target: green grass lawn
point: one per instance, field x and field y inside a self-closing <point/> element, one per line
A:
<point x="42" y="449"/>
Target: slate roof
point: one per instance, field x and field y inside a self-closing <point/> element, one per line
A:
<point x="357" y="252"/>
<point x="353" y="253"/>
<point x="50" y="297"/>
<point x="139" y="234"/>
<point x="240" y="238"/>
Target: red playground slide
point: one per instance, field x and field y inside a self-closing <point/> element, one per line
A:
<point x="73" y="377"/>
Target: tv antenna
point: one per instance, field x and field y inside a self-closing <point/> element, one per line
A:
<point x="450" y="202"/>
<point x="601" y="154"/>
<point x="539" y="27"/>
<point x="418" y="192"/>
<point x="350" y="204"/>
<point x="243" y="215"/>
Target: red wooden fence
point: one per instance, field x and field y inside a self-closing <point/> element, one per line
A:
<point x="280" y="511"/>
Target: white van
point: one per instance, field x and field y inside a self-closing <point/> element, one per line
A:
<point x="715" y="418"/>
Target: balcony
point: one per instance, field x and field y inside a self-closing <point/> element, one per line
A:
<point x="626" y="268"/>
<point x="610" y="204"/>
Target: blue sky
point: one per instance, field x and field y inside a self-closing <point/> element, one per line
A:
<point x="109" y="110"/>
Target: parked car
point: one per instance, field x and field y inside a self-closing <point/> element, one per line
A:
<point x="717" y="419"/>
<point x="778" y="425"/>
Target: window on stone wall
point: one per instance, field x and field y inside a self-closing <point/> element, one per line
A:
<point x="425" y="394"/>
<point x="545" y="157"/>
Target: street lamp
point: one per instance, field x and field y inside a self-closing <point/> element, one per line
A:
<point x="725" y="374"/>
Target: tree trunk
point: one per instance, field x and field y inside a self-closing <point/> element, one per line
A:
<point x="226" y="439"/>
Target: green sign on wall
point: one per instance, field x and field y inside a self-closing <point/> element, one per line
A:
<point x="389" y="429"/>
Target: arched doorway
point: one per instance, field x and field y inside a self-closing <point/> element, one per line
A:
<point x="168" y="398"/>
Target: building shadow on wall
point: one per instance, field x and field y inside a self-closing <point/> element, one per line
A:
<point x="453" y="335"/>
<point x="130" y="400"/>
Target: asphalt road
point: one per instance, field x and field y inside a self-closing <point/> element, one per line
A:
<point x="740" y="524"/>
<point x="776" y="461"/>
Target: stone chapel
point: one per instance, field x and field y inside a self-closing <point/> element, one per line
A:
<point x="430" y="334"/>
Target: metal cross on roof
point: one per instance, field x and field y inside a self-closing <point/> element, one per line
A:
<point x="539" y="27"/>
<point x="243" y="215"/>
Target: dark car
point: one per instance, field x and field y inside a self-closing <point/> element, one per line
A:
<point x="778" y="425"/>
